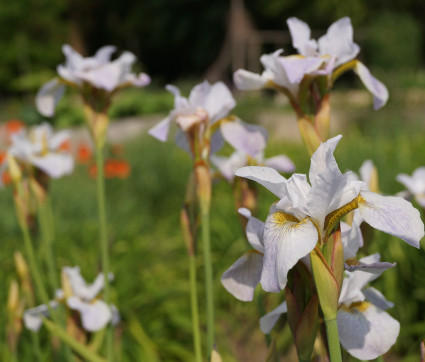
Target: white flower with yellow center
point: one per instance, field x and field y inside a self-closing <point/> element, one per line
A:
<point x="41" y="148"/>
<point x="97" y="71"/>
<point x="331" y="54"/>
<point x="308" y="212"/>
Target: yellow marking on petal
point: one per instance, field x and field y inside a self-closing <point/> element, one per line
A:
<point x="333" y="217"/>
<point x="360" y="306"/>
<point x="352" y="262"/>
<point x="281" y="218"/>
<point x="45" y="149"/>
<point x="253" y="251"/>
<point x="355" y="307"/>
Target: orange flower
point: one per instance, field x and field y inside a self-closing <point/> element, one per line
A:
<point x="65" y="146"/>
<point x="5" y="177"/>
<point x="84" y="153"/>
<point x="13" y="125"/>
<point x="117" y="168"/>
<point x="113" y="169"/>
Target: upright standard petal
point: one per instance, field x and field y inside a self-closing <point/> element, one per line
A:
<point x="373" y="85"/>
<point x="48" y="96"/>
<point x="295" y="199"/>
<point x="392" y="215"/>
<point x="338" y="42"/>
<point x="266" y="176"/>
<point x="74" y="60"/>
<point x="301" y="37"/>
<point x="243" y="276"/>
<point x="367" y="332"/>
<point x="79" y="286"/>
<point x="179" y="101"/>
<point x="268" y="321"/>
<point x="323" y="159"/>
<point x="219" y="102"/>
<point x="297" y="67"/>
<point x="286" y="241"/>
<point x="103" y="55"/>
<point x="107" y="77"/>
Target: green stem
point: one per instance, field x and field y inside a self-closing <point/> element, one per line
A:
<point x="30" y="251"/>
<point x="36" y="346"/>
<point x="81" y="349"/>
<point x="41" y="290"/>
<point x="103" y="240"/>
<point x="45" y="226"/>
<point x="333" y="340"/>
<point x="208" y="279"/>
<point x="194" y="308"/>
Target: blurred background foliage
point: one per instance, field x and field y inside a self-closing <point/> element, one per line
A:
<point x="180" y="38"/>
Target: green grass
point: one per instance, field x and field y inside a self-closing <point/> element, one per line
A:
<point x="149" y="259"/>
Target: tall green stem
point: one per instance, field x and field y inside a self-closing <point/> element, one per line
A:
<point x="102" y="219"/>
<point x="208" y="279"/>
<point x="47" y="236"/>
<point x="41" y="290"/>
<point x="30" y="250"/>
<point x="36" y="346"/>
<point x="194" y="308"/>
<point x="333" y="340"/>
<point x="103" y="239"/>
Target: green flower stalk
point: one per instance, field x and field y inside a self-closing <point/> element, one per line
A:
<point x="97" y="79"/>
<point x="203" y="122"/>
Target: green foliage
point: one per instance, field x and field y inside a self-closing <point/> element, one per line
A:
<point x="133" y="102"/>
<point x="31" y="34"/>
<point x="394" y="41"/>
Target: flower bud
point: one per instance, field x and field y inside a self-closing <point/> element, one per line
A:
<point x="20" y="265"/>
<point x="326" y="284"/>
<point x="14" y="169"/>
<point x="13" y="298"/>
<point x="203" y="186"/>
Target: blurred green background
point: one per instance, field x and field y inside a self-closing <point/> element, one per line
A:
<point x="179" y="41"/>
